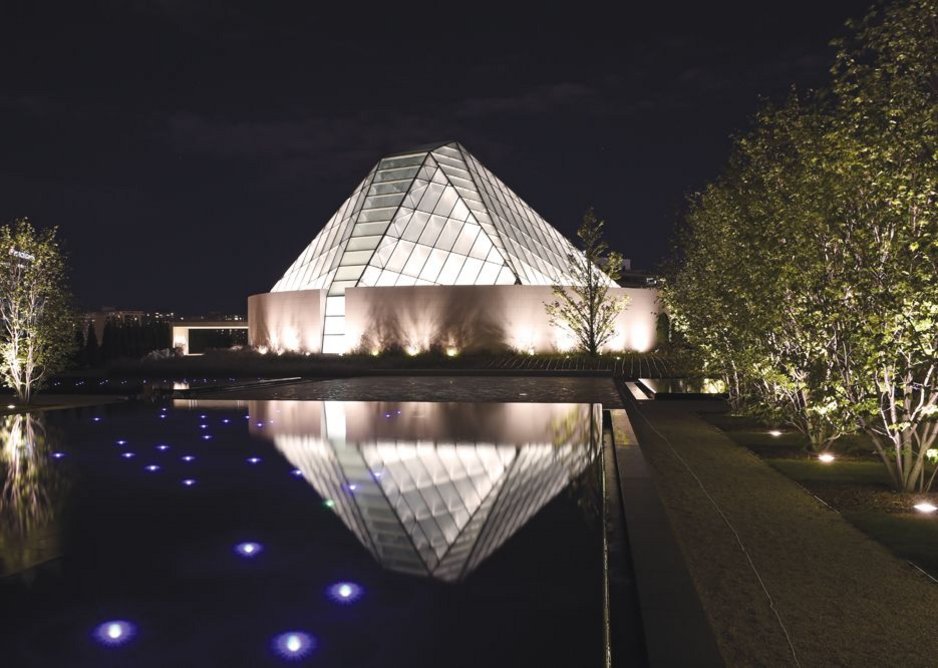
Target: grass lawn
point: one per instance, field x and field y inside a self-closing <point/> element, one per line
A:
<point x="855" y="484"/>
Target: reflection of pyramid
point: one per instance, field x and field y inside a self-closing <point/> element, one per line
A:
<point x="436" y="507"/>
<point x="430" y="216"/>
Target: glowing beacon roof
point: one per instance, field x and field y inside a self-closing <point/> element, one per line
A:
<point x="430" y="216"/>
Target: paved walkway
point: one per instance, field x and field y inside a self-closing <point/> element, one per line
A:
<point x="843" y="599"/>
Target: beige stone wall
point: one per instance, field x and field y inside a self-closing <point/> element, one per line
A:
<point x="473" y="317"/>
<point x="286" y="320"/>
<point x="463" y="317"/>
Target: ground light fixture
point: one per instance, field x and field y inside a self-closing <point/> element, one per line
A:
<point x="825" y="457"/>
<point x="925" y="507"/>
<point x="775" y="432"/>
<point x="345" y="592"/>
<point x="249" y="549"/>
<point x="114" y="633"/>
<point x="293" y="645"/>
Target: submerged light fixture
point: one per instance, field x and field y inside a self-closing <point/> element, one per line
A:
<point x="249" y="549"/>
<point x="345" y="592"/>
<point x="293" y="645"/>
<point x="114" y="633"/>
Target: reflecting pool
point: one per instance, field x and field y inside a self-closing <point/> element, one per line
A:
<point x="338" y="533"/>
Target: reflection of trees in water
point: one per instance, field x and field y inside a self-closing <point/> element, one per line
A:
<point x="31" y="490"/>
<point x="583" y="426"/>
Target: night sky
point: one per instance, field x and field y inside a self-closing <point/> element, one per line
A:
<point x="189" y="150"/>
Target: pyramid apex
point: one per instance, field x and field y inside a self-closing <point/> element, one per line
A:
<point x="424" y="148"/>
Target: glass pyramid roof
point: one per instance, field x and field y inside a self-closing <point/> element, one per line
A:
<point x="429" y="216"/>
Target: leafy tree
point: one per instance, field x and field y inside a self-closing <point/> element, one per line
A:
<point x="806" y="274"/>
<point x="36" y="321"/>
<point x="886" y="132"/>
<point x="585" y="307"/>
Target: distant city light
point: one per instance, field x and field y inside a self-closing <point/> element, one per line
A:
<point x="206" y="437"/>
<point x="58" y="455"/>
<point x="188" y="482"/>
<point x="96" y="419"/>
<point x="152" y="468"/>
<point x="114" y="633"/>
<point x="248" y="549"/>
<point x="826" y="457"/>
<point x="122" y="442"/>
<point x="925" y="507"/>
<point x="294" y="645"/>
<point x="345" y="592"/>
<point x="128" y="455"/>
<point x="226" y="421"/>
<point x="188" y="458"/>
<point x="296" y="472"/>
<point x="253" y="460"/>
<point x="162" y="447"/>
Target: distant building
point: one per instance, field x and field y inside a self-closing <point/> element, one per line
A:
<point x="431" y="249"/>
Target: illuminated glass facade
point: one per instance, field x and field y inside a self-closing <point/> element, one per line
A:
<point x="430" y="216"/>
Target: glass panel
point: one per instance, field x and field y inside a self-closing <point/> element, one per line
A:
<point x="415" y="226"/>
<point x="349" y="273"/>
<point x="416" y="260"/>
<point x="335" y="306"/>
<point x="387" y="278"/>
<point x="376" y="214"/>
<point x="430" y="197"/>
<point x="382" y="201"/>
<point x="356" y="257"/>
<point x="448" y="236"/>
<point x="370" y="277"/>
<point x="450" y="270"/>
<point x="488" y="274"/>
<point x="433" y="265"/>
<point x="430" y="233"/>
<point x="362" y="243"/>
<point x="414" y="194"/>
<point x="469" y="272"/>
<point x="481" y="248"/>
<point x="447" y="200"/>
<point x="466" y="238"/>
<point x="395" y="174"/>
<point x="334" y="325"/>
<point x="369" y="229"/>
<point x="399" y="256"/>
<point x="405" y="280"/>
<point x="402" y="161"/>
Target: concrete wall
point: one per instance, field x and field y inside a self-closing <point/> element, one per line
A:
<point x="286" y="320"/>
<point x="473" y="317"/>
<point x="463" y="317"/>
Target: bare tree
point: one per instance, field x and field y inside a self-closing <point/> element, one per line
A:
<point x="585" y="307"/>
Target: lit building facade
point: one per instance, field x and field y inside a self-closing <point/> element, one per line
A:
<point x="431" y="249"/>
